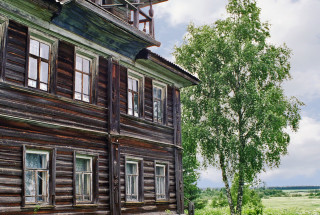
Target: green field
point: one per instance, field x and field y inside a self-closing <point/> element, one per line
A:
<point x="304" y="203"/>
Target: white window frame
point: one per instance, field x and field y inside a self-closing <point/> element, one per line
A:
<point x="140" y="78"/>
<point x="128" y="191"/>
<point x="82" y="179"/>
<point x="83" y="73"/>
<point x="163" y="87"/>
<point x="161" y="196"/>
<point x="40" y="60"/>
<point x="46" y="201"/>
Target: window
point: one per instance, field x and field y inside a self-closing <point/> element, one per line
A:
<point x="160" y="181"/>
<point x="133" y="96"/>
<point x="83" y="178"/>
<point x="159" y="92"/>
<point x="39" y="64"/>
<point x="161" y="172"/>
<point x="134" y="179"/>
<point x="36" y="177"/>
<point x="82" y="78"/>
<point x="132" y="176"/>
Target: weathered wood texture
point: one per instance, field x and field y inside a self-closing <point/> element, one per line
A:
<point x="14" y="135"/>
<point x="16" y="57"/>
<point x="123" y="90"/>
<point x="148" y="99"/>
<point x="149" y="153"/>
<point x="65" y="69"/>
<point x="103" y="83"/>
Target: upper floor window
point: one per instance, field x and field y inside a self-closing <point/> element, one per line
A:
<point x="82" y="78"/>
<point x="36" y="177"/>
<point x="159" y="93"/>
<point x="133" y="96"/>
<point x="39" y="64"/>
<point x="83" y="178"/>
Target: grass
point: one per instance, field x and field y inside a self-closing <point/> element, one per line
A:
<point x="302" y="203"/>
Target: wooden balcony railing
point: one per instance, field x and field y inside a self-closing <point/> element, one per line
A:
<point x="133" y="13"/>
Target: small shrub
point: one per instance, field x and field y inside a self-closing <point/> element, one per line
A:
<point x="219" y="201"/>
<point x="200" y="203"/>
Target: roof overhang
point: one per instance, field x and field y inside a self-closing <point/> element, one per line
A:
<point x="161" y="65"/>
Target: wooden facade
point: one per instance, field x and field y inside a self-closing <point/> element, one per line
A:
<point x="55" y="122"/>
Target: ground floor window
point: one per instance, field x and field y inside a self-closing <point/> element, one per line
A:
<point x="83" y="178"/>
<point x="132" y="177"/>
<point x="36" y="177"/>
<point x="161" y="181"/>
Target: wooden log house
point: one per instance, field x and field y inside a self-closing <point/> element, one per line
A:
<point x="89" y="117"/>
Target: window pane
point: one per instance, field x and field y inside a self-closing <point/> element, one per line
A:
<point x="129" y="83"/>
<point x="30" y="186"/>
<point x="135" y="85"/>
<point x="159" y="111"/>
<point x="43" y="87"/>
<point x="36" y="161"/>
<point x="86" y="85"/>
<point x="159" y="92"/>
<point x="77" y="96"/>
<point x="131" y="168"/>
<point x="134" y="185"/>
<point x="78" y="184"/>
<point x="44" y="51"/>
<point x="160" y="171"/>
<point x="34" y="47"/>
<point x="136" y="101"/>
<point x="154" y="92"/>
<point x="32" y="83"/>
<point x="86" y="66"/>
<point x="41" y="189"/>
<point x="44" y="72"/>
<point x="78" y="82"/>
<point x="87" y="185"/>
<point x="33" y="68"/>
<point x="86" y="98"/>
<point x="130" y="103"/>
<point x="83" y="165"/>
<point x="155" y="110"/>
<point x="78" y="63"/>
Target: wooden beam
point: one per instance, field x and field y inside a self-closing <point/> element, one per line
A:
<point x="3" y="46"/>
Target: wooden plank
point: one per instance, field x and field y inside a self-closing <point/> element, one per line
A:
<point x="23" y="203"/>
<point x="74" y="197"/>
<point x="53" y="176"/>
<point x="4" y="39"/>
<point x="96" y="181"/>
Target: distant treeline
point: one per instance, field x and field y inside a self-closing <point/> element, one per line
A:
<point x="295" y="188"/>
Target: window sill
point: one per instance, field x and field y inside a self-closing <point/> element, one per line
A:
<point x="35" y="206"/>
<point x="134" y="203"/>
<point x="159" y="202"/>
<point x="85" y="205"/>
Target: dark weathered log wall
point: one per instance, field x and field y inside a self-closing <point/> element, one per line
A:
<point x="16" y="134"/>
<point x="150" y="153"/>
<point x="15" y="65"/>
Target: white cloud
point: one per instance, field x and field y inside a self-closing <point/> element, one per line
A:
<point x="183" y="11"/>
<point x="303" y="158"/>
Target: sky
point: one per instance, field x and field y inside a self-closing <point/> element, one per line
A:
<point x="293" y="22"/>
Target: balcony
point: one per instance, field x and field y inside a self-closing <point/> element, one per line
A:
<point x="135" y="12"/>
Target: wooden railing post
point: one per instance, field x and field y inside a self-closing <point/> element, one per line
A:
<point x="151" y="23"/>
<point x="136" y="15"/>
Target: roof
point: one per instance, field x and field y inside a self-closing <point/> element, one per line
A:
<point x="147" y="54"/>
<point x="143" y="2"/>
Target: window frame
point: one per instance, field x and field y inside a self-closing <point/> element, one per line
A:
<point x="166" y="181"/>
<point x="83" y="173"/>
<point x="140" y="179"/>
<point x="51" y="174"/>
<point x="93" y="74"/>
<point x="163" y="87"/>
<point x="39" y="60"/>
<point x="140" y="91"/>
<point x="94" y="197"/>
<point x="136" y="175"/>
<point x="52" y="42"/>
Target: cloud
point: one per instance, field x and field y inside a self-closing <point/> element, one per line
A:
<point x="303" y="154"/>
<point x="183" y="11"/>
